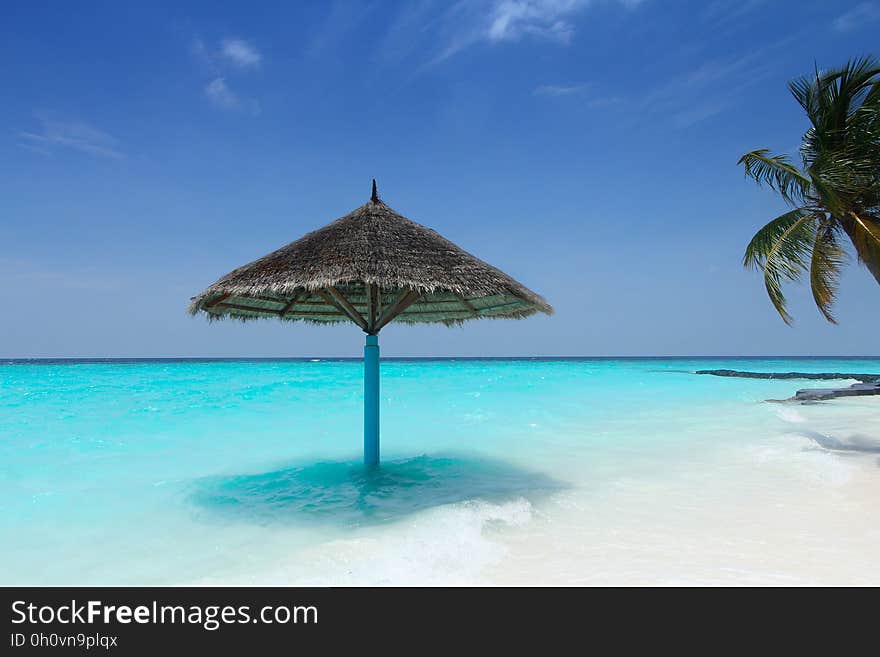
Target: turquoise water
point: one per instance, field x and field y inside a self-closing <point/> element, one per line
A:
<point x="523" y="471"/>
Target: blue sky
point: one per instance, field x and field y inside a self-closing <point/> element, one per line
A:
<point x="588" y="148"/>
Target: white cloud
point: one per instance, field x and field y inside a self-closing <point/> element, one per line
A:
<point x="232" y="52"/>
<point x="584" y="94"/>
<point x="455" y="27"/>
<point x="560" y="89"/>
<point x="233" y="56"/>
<point x="76" y="135"/>
<point x="866" y="12"/>
<point x="219" y="93"/>
<point x="240" y="53"/>
<point x="510" y="20"/>
<point x="713" y="87"/>
<point x="722" y="13"/>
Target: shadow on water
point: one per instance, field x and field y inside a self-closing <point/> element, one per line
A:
<point x="348" y="494"/>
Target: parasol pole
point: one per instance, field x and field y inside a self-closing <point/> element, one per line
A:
<point x="371" y="401"/>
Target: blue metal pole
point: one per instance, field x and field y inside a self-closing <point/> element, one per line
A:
<point x="371" y="401"/>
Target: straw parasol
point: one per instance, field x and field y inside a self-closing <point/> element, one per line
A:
<point x="370" y="267"/>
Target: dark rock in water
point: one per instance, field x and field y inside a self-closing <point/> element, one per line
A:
<point x="870" y="383"/>
<point x="817" y="376"/>
<point x="821" y="394"/>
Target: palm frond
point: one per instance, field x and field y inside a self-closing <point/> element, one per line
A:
<point x="805" y="90"/>
<point x="825" y="265"/>
<point x="766" y="238"/>
<point x="781" y="250"/>
<point x="854" y="83"/>
<point x="787" y="260"/>
<point x="777" y="173"/>
<point x="872" y="98"/>
<point x="831" y="100"/>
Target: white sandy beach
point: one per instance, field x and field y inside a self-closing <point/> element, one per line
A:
<point x="781" y="510"/>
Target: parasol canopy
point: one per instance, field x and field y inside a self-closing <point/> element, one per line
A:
<point x="370" y="267"/>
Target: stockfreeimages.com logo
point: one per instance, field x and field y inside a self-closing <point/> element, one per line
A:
<point x="210" y="617"/>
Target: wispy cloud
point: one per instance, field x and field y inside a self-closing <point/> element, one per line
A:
<point x="560" y="89"/>
<point x="510" y="20"/>
<point x="231" y="56"/>
<point x="343" y="17"/>
<point x="462" y="25"/>
<point x="553" y="20"/>
<point x="240" y="53"/>
<point x="857" y="17"/>
<point x="219" y="93"/>
<point x="585" y="94"/>
<point x="231" y="52"/>
<point x="690" y="96"/>
<point x="725" y="12"/>
<point x="713" y="87"/>
<point x="53" y="134"/>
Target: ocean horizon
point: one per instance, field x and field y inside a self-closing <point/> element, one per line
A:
<point x="207" y="359"/>
<point x="521" y="470"/>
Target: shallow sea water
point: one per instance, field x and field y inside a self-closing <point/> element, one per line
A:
<point x="630" y="471"/>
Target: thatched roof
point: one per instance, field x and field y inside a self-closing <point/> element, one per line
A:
<point x="370" y="266"/>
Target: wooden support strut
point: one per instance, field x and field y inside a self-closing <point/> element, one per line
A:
<point x="467" y="304"/>
<point x="334" y="297"/>
<point x="403" y="301"/>
<point x="491" y="309"/>
<point x="253" y="309"/>
<point x="214" y="302"/>
<point x="293" y="301"/>
<point x="237" y="306"/>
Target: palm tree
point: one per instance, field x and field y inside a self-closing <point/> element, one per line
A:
<point x="835" y="195"/>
